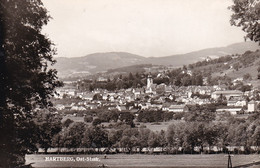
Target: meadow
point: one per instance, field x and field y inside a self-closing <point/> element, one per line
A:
<point x="143" y="161"/>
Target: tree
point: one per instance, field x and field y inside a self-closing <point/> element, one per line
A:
<point x="247" y="76"/>
<point x="246" y="14"/>
<point x="97" y="96"/>
<point x="25" y="79"/>
<point x="67" y="123"/>
<point x="238" y="135"/>
<point x="236" y="66"/>
<point x="153" y="140"/>
<point x="73" y="135"/>
<point x="256" y="137"/>
<point x="96" y="137"/>
<point x="222" y="139"/>
<point x="131" y="77"/>
<point x="258" y="70"/>
<point x="162" y="138"/>
<point x="58" y="140"/>
<point x="96" y="122"/>
<point x="129" y="139"/>
<point x="128" y="118"/>
<point x="48" y="126"/>
<point x="88" y="119"/>
<point x="200" y="113"/>
<point x="143" y="138"/>
<point x="175" y="135"/>
<point x="114" y="137"/>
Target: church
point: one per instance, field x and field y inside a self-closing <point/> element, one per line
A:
<point x="150" y="87"/>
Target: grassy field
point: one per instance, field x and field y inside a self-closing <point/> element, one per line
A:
<point x="145" y="161"/>
<point x="158" y="126"/>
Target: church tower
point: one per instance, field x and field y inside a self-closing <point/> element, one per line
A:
<point x="149" y="82"/>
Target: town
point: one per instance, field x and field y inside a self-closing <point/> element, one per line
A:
<point x="168" y="98"/>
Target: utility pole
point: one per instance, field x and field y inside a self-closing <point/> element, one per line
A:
<point x="229" y="160"/>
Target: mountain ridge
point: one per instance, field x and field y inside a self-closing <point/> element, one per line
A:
<point x="101" y="62"/>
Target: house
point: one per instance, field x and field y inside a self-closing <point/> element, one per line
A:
<point x="157" y="106"/>
<point x="63" y="92"/>
<point x="67" y="107"/>
<point x="160" y="88"/>
<point x="60" y="107"/>
<point x="121" y="108"/>
<point x="144" y="106"/>
<point x="219" y="87"/>
<point x="102" y="79"/>
<point x="208" y="58"/>
<point x="59" y="93"/>
<point x="92" y="106"/>
<point x="178" y="108"/>
<point x="189" y="72"/>
<point x="231" y="110"/>
<point x="226" y="93"/>
<point x="238" y="103"/>
<point x="166" y="106"/>
<point x="70" y="92"/>
<point x="78" y="108"/>
<point x="137" y="92"/>
<point x="88" y="96"/>
<point x="129" y="98"/>
<point x="171" y="97"/>
<point x="251" y="106"/>
<point x="168" y="89"/>
<point x="112" y="107"/>
<point x="111" y="97"/>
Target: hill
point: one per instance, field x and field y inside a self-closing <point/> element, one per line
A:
<point x="93" y="63"/>
<point x="100" y="62"/>
<point x="241" y="66"/>
<point x="184" y="59"/>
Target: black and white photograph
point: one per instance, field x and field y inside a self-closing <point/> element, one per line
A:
<point x="129" y="83"/>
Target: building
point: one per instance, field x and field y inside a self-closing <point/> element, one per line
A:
<point x="236" y="101"/>
<point x="227" y="94"/>
<point x="178" y="108"/>
<point x="150" y="88"/>
<point x="251" y="106"/>
<point x="231" y="110"/>
<point x="149" y="84"/>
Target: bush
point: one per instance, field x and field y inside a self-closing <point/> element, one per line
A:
<point x="97" y="121"/>
<point x="178" y="116"/>
<point x="67" y="123"/>
<point x="88" y="119"/>
<point x="247" y="76"/>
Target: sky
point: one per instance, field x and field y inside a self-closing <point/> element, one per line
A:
<point x="150" y="28"/>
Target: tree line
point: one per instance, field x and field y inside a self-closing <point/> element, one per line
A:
<point x="178" y="77"/>
<point x="183" y="136"/>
